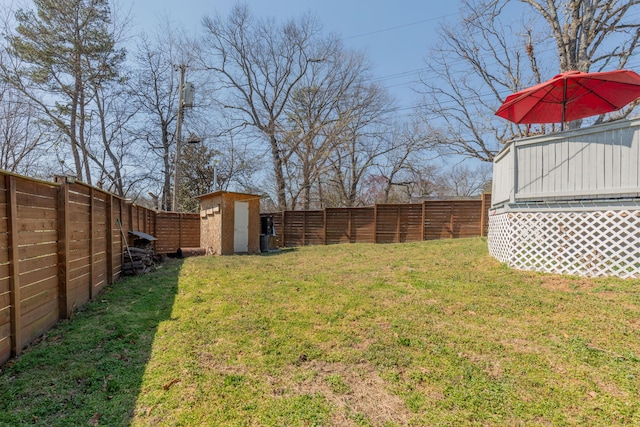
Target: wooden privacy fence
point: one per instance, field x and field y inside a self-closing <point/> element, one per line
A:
<point x="60" y="244"/>
<point x="388" y="223"/>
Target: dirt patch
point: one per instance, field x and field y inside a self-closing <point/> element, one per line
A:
<point x="360" y="393"/>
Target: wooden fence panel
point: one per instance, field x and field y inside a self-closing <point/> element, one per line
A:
<point x="467" y="218"/>
<point x="176" y="230"/>
<point x="100" y="241"/>
<point x="278" y="227"/>
<point x="79" y="244"/>
<point x="117" y="244"/>
<point x="411" y="223"/>
<point x="438" y="220"/>
<point x="35" y="274"/>
<point x="294" y="228"/>
<point x="363" y="225"/>
<point x="5" y="296"/>
<point x="398" y="223"/>
<point x="190" y="230"/>
<point x="339" y="225"/>
<point x="387" y="222"/>
<point x="167" y="233"/>
<point x="304" y="228"/>
<point x="314" y="228"/>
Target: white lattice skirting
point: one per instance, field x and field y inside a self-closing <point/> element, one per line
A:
<point x="594" y="243"/>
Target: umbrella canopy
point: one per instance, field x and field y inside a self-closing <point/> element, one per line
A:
<point x="571" y="96"/>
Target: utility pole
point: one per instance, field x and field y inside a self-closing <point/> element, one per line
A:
<point x="176" y="178"/>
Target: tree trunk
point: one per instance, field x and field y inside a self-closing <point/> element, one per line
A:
<point x="277" y="169"/>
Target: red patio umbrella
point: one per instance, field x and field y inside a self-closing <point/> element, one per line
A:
<point x="571" y="96"/>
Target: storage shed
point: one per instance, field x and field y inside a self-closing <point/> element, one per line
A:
<point x="229" y="223"/>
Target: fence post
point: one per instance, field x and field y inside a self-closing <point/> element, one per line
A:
<point x="92" y="241"/>
<point x="121" y="248"/>
<point x="324" y="219"/>
<point x="375" y="223"/>
<point x="109" y="220"/>
<point x="398" y="238"/>
<point x="284" y="227"/>
<point x="424" y="219"/>
<point x="304" y="228"/>
<point x="451" y="222"/>
<point x="63" y="247"/>
<point x="14" y="270"/>
<point x="179" y="230"/>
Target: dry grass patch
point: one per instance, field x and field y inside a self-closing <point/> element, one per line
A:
<point x="356" y="392"/>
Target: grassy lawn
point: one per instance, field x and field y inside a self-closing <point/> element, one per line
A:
<point x="424" y="334"/>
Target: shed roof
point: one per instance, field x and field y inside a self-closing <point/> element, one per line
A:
<point x="221" y="193"/>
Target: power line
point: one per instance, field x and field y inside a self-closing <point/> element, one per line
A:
<point x="397" y="27"/>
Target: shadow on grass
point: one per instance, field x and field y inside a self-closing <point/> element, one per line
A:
<point x="89" y="370"/>
<point x="279" y="251"/>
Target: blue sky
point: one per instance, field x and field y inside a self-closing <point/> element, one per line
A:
<point x="395" y="35"/>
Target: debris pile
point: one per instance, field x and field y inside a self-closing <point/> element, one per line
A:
<point x="139" y="258"/>
<point x="137" y="261"/>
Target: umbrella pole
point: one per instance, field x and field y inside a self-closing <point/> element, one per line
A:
<point x="564" y="102"/>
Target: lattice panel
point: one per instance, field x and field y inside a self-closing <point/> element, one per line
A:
<point x="596" y="243"/>
<point x="499" y="237"/>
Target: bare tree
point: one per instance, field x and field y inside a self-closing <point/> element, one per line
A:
<point x="21" y="138"/>
<point x="316" y="118"/>
<point x="258" y="64"/>
<point x="362" y="134"/>
<point x="483" y="59"/>
<point x="154" y="90"/>
<point x="583" y="31"/>
<point x="407" y="153"/>
<point x="113" y="149"/>
<point x="463" y="180"/>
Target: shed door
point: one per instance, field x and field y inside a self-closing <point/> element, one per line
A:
<point x="241" y="227"/>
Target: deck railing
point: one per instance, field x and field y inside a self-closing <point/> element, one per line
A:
<point x="594" y="163"/>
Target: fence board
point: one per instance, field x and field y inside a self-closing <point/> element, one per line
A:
<point x="14" y="269"/>
<point x="30" y="224"/>
<point x="33" y="201"/>
<point x="35" y="188"/>
<point x="5" y="327"/>
<point x="36" y="237"/>
<point x="26" y="212"/>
